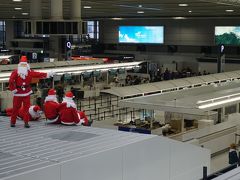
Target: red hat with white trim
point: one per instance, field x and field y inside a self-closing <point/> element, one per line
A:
<point x="69" y="94"/>
<point x="23" y="59"/>
<point x="36" y="108"/>
<point x="51" y="92"/>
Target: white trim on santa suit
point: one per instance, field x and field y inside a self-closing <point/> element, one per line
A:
<point x="33" y="113"/>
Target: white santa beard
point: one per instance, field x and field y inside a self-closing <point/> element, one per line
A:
<point x="69" y="101"/>
<point x="22" y="71"/>
<point x="51" y="98"/>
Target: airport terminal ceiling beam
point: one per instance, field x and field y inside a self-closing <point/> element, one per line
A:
<point x="224" y="2"/>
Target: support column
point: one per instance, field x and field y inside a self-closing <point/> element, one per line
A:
<point x="36" y="9"/>
<point x="57" y="9"/>
<point x="82" y="81"/>
<point x="76" y="10"/>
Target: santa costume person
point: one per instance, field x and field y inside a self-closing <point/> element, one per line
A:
<point x="19" y="84"/>
<point x="34" y="112"/>
<point x="68" y="114"/>
<point x="51" y="107"/>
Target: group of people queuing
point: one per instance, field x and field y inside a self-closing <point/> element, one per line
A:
<point x="20" y="84"/>
<point x="169" y="75"/>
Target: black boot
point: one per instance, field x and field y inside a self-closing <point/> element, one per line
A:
<point x="26" y="125"/>
<point x="12" y="125"/>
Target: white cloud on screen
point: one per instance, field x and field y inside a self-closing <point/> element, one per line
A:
<point x="120" y="35"/>
<point x="128" y="39"/>
<point x="140" y="35"/>
<point x="157" y="33"/>
<point x="219" y="30"/>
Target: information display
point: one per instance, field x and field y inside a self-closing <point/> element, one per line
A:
<point x="141" y="34"/>
<point x="227" y="35"/>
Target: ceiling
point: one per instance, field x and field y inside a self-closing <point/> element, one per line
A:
<point x="128" y="9"/>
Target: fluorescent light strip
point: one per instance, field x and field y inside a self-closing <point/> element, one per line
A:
<point x="213" y="99"/>
<point x="82" y="68"/>
<point x="218" y="103"/>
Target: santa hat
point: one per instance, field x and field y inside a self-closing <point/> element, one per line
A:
<point x="23" y="59"/>
<point x="51" y="92"/>
<point x="36" y="108"/>
<point x="69" y="95"/>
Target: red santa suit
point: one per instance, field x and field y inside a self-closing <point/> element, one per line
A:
<point x="51" y="107"/>
<point x="19" y="84"/>
<point x="34" y="113"/>
<point x="68" y="114"/>
<point x="83" y="118"/>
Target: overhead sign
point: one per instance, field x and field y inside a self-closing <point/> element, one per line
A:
<point x="34" y="55"/>
<point x="68" y="45"/>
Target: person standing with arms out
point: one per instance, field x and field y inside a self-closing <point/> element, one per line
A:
<point x="19" y="84"/>
<point x="233" y="155"/>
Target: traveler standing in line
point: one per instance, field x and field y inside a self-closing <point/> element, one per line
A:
<point x="233" y="155"/>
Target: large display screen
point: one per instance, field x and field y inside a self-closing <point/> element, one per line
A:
<point x="227" y="35"/>
<point x="141" y="34"/>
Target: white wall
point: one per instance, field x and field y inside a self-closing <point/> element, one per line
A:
<point x="195" y="32"/>
<point x="151" y="159"/>
<point x="177" y="32"/>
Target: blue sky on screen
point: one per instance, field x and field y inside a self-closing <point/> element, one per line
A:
<point x="141" y="34"/>
<point x="219" y="30"/>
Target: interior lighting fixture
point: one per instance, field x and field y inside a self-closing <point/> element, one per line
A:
<point x="17" y="0"/>
<point x="140" y="12"/>
<point x="179" y="18"/>
<point x="87" y="7"/>
<point x="18" y="8"/>
<point x="183" y="5"/>
<point x="116" y="18"/>
<point x="140" y="5"/>
<point x="25" y="14"/>
<point x="218" y="101"/>
<point x="229" y="10"/>
<point x="190" y="11"/>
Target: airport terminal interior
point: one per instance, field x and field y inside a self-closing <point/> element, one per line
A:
<point x="154" y="85"/>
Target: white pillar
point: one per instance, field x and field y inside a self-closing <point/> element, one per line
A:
<point x="94" y="82"/>
<point x="36" y="9"/>
<point x="56" y="9"/>
<point x="82" y="81"/>
<point x="76" y="9"/>
<point x="107" y="77"/>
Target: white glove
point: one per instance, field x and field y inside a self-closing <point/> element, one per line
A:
<point x="50" y="74"/>
<point x="82" y="121"/>
<point x="14" y="91"/>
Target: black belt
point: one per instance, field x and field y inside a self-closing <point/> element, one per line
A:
<point x="22" y="86"/>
